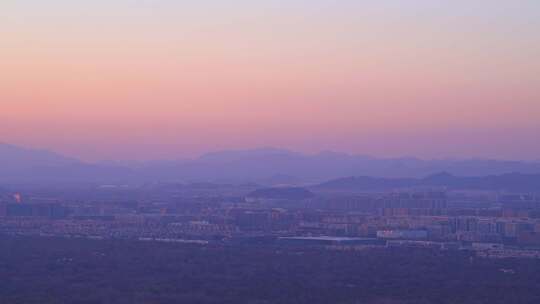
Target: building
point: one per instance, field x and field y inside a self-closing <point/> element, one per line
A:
<point x="328" y="241"/>
<point x="402" y="234"/>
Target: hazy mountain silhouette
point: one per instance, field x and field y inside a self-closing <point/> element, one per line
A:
<point x="282" y="193"/>
<point x="13" y="156"/>
<point x="513" y="182"/>
<point x="267" y="166"/>
<point x="367" y="183"/>
<point x="19" y="164"/>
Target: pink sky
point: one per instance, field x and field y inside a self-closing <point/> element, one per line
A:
<point x="159" y="79"/>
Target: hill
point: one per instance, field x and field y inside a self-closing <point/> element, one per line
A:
<point x="282" y="193"/>
<point x="512" y="182"/>
<point x="267" y="166"/>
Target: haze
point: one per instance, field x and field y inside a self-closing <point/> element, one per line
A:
<point x="167" y="79"/>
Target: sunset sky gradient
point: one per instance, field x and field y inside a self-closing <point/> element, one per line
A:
<point x="127" y="79"/>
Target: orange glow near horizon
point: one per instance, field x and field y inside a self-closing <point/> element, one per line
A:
<point x="154" y="82"/>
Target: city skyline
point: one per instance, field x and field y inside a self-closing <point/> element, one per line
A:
<point x="173" y="79"/>
<point x="270" y="151"/>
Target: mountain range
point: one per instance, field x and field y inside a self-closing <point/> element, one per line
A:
<point x="267" y="166"/>
<point x="510" y="182"/>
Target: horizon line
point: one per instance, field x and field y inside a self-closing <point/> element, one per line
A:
<point x="263" y="148"/>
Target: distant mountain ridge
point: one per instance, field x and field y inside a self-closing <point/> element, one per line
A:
<point x="31" y="165"/>
<point x="14" y="156"/>
<point x="512" y="182"/>
<point x="267" y="166"/>
<point x="282" y="193"/>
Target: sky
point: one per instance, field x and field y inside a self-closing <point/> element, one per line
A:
<point x="152" y="79"/>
